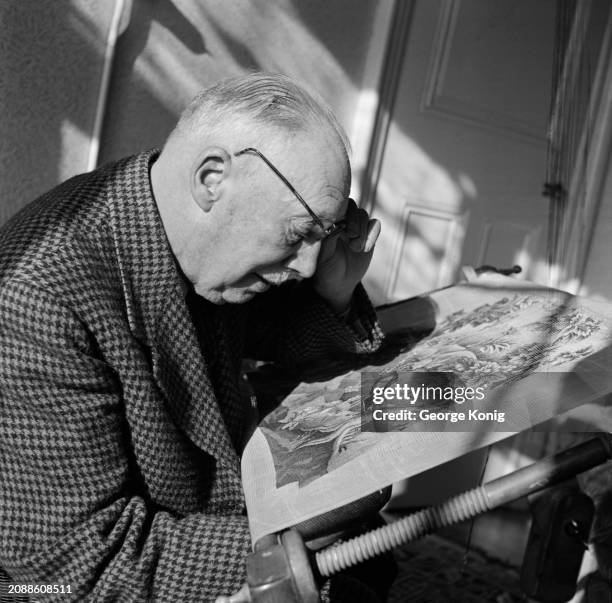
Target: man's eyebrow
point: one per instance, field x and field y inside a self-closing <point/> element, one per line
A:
<point x="335" y="188"/>
<point x="309" y="222"/>
<point x="304" y="221"/>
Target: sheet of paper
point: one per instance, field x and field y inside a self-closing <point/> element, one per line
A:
<point x="538" y="353"/>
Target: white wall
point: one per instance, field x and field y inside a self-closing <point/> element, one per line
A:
<point x="598" y="276"/>
<point x="52" y="56"/>
<point x="591" y="236"/>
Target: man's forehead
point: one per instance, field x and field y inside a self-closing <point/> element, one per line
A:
<point x="328" y="212"/>
<point x="325" y="176"/>
<point x="318" y="170"/>
<point x="317" y="190"/>
<point x="312" y="147"/>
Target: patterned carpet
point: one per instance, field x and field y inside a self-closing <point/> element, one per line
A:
<point x="4" y="588"/>
<point x="430" y="572"/>
<point x="433" y="570"/>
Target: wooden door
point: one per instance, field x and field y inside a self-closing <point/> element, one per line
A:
<point x="464" y="159"/>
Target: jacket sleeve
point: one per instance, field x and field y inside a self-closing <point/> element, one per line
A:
<point x="293" y="325"/>
<point x="71" y="513"/>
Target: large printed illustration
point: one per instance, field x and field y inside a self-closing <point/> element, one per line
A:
<point x="318" y="426"/>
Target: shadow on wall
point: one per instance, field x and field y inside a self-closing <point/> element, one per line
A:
<point x="52" y="74"/>
<point x="120" y="130"/>
<point x="54" y="55"/>
<point x="54" y="58"/>
<point x="160" y="52"/>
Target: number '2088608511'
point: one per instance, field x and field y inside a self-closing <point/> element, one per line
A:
<point x="39" y="589"/>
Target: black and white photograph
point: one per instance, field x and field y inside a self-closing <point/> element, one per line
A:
<point x="306" y="301"/>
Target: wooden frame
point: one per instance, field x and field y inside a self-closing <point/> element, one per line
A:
<point x="387" y="92"/>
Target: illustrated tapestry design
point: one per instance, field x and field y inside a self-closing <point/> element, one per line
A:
<point x="317" y="427"/>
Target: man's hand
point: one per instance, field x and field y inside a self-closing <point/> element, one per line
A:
<point x="344" y="259"/>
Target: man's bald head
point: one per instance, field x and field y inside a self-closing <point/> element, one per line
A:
<point x="234" y="226"/>
<point x="266" y="102"/>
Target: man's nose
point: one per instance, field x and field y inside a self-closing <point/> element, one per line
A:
<point x="304" y="261"/>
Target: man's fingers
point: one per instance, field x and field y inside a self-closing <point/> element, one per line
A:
<point x="373" y="232"/>
<point x="357" y="242"/>
<point x="364" y="220"/>
<point x="352" y="219"/>
<point x="328" y="249"/>
<point x="361" y="232"/>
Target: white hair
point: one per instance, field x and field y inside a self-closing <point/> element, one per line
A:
<point x="268" y="99"/>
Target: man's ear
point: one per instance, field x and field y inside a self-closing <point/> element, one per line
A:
<point x="209" y="172"/>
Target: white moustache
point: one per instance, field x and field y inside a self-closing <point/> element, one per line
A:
<point x="279" y="279"/>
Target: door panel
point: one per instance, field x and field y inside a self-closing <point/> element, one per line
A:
<point x="465" y="156"/>
<point x="487" y="62"/>
<point x="498" y="237"/>
<point x="426" y="237"/>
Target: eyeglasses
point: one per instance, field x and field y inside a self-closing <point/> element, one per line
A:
<point x="327" y="231"/>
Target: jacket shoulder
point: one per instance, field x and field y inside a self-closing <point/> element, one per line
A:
<point x="63" y="230"/>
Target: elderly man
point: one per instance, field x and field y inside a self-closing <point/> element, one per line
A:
<point x="129" y="297"/>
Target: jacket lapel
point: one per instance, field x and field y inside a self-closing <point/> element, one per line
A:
<point x="158" y="314"/>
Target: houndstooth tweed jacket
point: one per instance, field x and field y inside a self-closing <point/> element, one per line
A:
<point x="120" y="414"/>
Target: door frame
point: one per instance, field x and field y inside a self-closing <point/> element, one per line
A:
<point x="401" y="18"/>
<point x="589" y="177"/>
